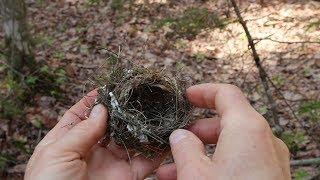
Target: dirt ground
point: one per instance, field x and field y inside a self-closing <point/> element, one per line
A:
<point x="76" y="35"/>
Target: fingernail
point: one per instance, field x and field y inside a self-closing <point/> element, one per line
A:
<point x="96" y="111"/>
<point x="177" y="136"/>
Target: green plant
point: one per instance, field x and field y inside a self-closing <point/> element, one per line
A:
<point x="192" y="21"/>
<point x="310" y="110"/>
<point x="180" y="44"/>
<point x="9" y="109"/>
<point x="47" y="81"/>
<point x="278" y="80"/>
<point x="36" y="121"/>
<point x="61" y="76"/>
<point x="43" y="40"/>
<point x="59" y="55"/>
<point x="5" y="160"/>
<point x="294" y="140"/>
<point x="40" y="3"/>
<point x="263" y="109"/>
<point x="121" y="17"/>
<point x="180" y="65"/>
<point x="301" y="174"/>
<point x="117" y="4"/>
<point x="31" y="80"/>
<point x="14" y="87"/>
<point x="20" y="144"/>
<point x="44" y="69"/>
<point x="3" y="163"/>
<point x="313" y="26"/>
<point x="164" y="22"/>
<point x="307" y="71"/>
<point x="200" y="57"/>
<point x="2" y="67"/>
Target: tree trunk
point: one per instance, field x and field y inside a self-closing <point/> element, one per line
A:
<point x="17" y="41"/>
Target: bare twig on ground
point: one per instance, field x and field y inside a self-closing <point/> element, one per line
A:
<point x="305" y="162"/>
<point x="262" y="72"/>
<point x="287" y="42"/>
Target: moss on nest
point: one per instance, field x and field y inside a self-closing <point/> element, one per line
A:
<point x="145" y="106"/>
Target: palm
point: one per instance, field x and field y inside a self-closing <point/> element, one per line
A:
<point x="104" y="163"/>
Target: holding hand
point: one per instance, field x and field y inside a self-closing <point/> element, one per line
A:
<point x="73" y="153"/>
<point x="246" y="147"/>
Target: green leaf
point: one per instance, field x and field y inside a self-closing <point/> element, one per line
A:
<point x="36" y="122"/>
<point x="31" y="80"/>
<point x="301" y="174"/>
<point x="9" y="109"/>
<point x="3" y="162"/>
<point x="191" y="22"/>
<point x="310" y="110"/>
<point x="44" y="69"/>
<point x="294" y="140"/>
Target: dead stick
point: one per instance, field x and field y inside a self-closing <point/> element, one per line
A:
<point x="288" y="42"/>
<point x="305" y="162"/>
<point x="262" y="72"/>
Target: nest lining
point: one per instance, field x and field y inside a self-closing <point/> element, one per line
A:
<point x="145" y="106"/>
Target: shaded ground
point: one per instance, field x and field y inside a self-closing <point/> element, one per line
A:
<point x="74" y="35"/>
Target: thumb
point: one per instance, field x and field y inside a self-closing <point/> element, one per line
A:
<point x="86" y="133"/>
<point x="187" y="151"/>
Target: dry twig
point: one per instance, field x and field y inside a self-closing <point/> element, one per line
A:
<point x="287" y="42"/>
<point x="262" y="72"/>
<point x="305" y="162"/>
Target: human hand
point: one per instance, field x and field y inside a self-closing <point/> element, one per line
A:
<point x="246" y="148"/>
<point x="70" y="149"/>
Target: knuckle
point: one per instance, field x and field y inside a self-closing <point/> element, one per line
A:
<point x="283" y="147"/>
<point x="229" y="90"/>
<point x="232" y="89"/>
<point x="184" y="144"/>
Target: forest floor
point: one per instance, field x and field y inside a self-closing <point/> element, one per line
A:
<point x="201" y="39"/>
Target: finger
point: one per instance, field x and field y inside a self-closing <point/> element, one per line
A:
<point x="167" y="172"/>
<point x="283" y="155"/>
<point x="223" y="97"/>
<point x="207" y="130"/>
<point x="187" y="149"/>
<point x="73" y="116"/>
<point x="142" y="167"/>
<point x="85" y="134"/>
<point x="232" y="106"/>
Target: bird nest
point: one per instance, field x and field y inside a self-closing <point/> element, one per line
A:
<point x="145" y="106"/>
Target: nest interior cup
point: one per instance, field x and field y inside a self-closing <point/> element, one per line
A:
<point x="144" y="106"/>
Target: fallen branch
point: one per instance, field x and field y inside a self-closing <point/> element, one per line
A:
<point x="262" y="72"/>
<point x="287" y="42"/>
<point x="305" y="162"/>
